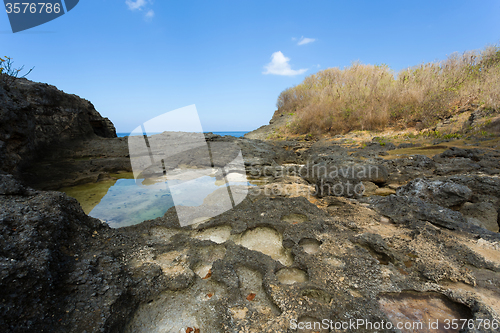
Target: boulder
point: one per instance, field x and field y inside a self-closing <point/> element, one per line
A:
<point x="370" y="188"/>
<point x="445" y="193"/>
<point x="407" y="210"/>
<point x="483" y="213"/>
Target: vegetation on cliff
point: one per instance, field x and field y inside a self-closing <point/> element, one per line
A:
<point x="8" y="73"/>
<point x="371" y="97"/>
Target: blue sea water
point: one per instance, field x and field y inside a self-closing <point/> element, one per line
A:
<point x="237" y="134"/>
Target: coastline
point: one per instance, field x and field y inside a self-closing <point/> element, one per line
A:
<point x="301" y="246"/>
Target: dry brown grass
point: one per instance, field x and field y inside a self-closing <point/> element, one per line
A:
<point x="369" y="97"/>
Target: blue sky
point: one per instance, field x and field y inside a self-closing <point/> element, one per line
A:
<point x="136" y="59"/>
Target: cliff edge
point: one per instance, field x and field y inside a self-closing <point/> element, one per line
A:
<point x="35" y="117"/>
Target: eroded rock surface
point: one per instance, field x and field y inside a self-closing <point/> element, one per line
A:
<point x="36" y="117"/>
<point x="420" y="245"/>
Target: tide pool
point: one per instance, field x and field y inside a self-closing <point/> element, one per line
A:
<point x="237" y="134"/>
<point x="124" y="202"/>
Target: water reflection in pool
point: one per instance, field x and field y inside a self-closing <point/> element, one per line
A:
<point x="125" y="203"/>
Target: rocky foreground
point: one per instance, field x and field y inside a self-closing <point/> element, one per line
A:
<point x="335" y="231"/>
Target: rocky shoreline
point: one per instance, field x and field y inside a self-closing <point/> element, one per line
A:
<point x="420" y="241"/>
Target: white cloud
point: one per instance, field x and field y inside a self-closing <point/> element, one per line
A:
<point x="136" y="4"/>
<point x="140" y="5"/>
<point x="304" y="41"/>
<point x="279" y="66"/>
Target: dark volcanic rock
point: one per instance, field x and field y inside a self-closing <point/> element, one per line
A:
<point x="270" y="260"/>
<point x="343" y="179"/>
<point x="479" y="184"/>
<point x="408" y="145"/>
<point x="374" y="145"/>
<point x="441" y="192"/>
<point x="88" y="161"/>
<point x="483" y="214"/>
<point x="459" y="160"/>
<point x="401" y="170"/>
<point x="355" y="171"/>
<point x="473" y="154"/>
<point x="65" y="272"/>
<point x="76" y="163"/>
<point x="35" y="117"/>
<point x="10" y="185"/>
<point x="403" y="209"/>
<point x="44" y="248"/>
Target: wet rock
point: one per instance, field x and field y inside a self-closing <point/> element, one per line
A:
<point x="441" y="192"/>
<point x="74" y="163"/>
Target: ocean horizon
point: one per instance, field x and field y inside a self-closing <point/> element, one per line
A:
<point x="237" y="134"/>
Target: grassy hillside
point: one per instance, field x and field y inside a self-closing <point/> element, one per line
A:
<point x="371" y="97"/>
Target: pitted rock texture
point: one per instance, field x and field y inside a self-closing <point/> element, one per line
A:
<point x="47" y="265"/>
<point x="278" y="257"/>
<point x="444" y="193"/>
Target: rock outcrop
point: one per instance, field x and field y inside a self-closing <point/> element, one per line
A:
<point x="276" y="124"/>
<point x="421" y="242"/>
<point x="443" y="193"/>
<point x="36" y="117"/>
